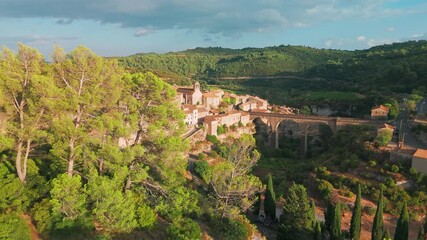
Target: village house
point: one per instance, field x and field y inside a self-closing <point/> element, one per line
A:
<point x="419" y="161"/>
<point x="191" y="114"/>
<point x="248" y="106"/>
<point x="211" y="99"/>
<point x="379" y="112"/>
<point x="232" y="118"/>
<point x="189" y="95"/>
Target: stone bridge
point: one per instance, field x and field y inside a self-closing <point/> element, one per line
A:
<point x="273" y="120"/>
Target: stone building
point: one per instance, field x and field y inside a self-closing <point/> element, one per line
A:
<point x="189" y="95"/>
<point x="419" y="161"/>
<point x="379" y="112"/>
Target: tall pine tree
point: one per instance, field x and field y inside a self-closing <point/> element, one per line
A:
<point x="318" y="231"/>
<point x="336" y="223"/>
<point x="378" y="224"/>
<point x="313" y="213"/>
<point x="386" y="235"/>
<point x="270" y="199"/>
<point x="356" y="218"/>
<point x="402" y="228"/>
<point x="329" y="216"/>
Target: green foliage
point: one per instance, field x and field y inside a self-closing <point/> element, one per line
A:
<point x="336" y="223"/>
<point x="212" y="138"/>
<point x="386" y="235"/>
<point x="13" y="227"/>
<point x="378" y="224"/>
<point x="42" y="215"/>
<point x="221" y="129"/>
<point x="234" y="188"/>
<point x="421" y="233"/>
<point x="184" y="229"/>
<point x="114" y="210"/>
<point x="296" y="221"/>
<point x="325" y="188"/>
<point x="230" y="229"/>
<point x="68" y="197"/>
<point x="146" y="216"/>
<point x="384" y="136"/>
<point x="270" y="199"/>
<point x="13" y="194"/>
<point x="402" y="227"/>
<point x="318" y="231"/>
<point x="203" y="169"/>
<point x="356" y="218"/>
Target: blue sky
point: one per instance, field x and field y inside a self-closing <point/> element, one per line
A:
<point x="125" y="27"/>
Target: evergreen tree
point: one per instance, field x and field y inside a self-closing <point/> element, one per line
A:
<point x="336" y="223"/>
<point x="386" y="235"/>
<point x="421" y="233"/>
<point x="270" y="199"/>
<point x="378" y="224"/>
<point x="402" y="228"/>
<point x="313" y="213"/>
<point x="329" y="216"/>
<point x="318" y="231"/>
<point x="296" y="220"/>
<point x="356" y="217"/>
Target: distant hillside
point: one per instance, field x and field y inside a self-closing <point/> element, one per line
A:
<point x="223" y="62"/>
<point x="398" y="67"/>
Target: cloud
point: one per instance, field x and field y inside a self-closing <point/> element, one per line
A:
<point x="64" y="21"/>
<point x="224" y="17"/>
<point x="361" y="38"/>
<point x="391" y="29"/>
<point x="143" y="31"/>
<point x="35" y="40"/>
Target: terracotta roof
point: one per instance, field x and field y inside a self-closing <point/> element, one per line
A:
<point x="382" y="107"/>
<point x="211" y="95"/>
<point x="209" y="119"/>
<point x="185" y="90"/>
<point x="387" y="126"/>
<point x="421" y="153"/>
<point x="202" y="109"/>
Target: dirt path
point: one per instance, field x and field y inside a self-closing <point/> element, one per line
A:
<point x="34" y="234"/>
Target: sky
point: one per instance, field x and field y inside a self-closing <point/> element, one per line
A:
<point x="126" y="27"/>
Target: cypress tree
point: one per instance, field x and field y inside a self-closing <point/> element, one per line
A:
<point x="313" y="214"/>
<point x="318" y="231"/>
<point x="402" y="228"/>
<point x="386" y="235"/>
<point x="336" y="223"/>
<point x="329" y="216"/>
<point x="270" y="199"/>
<point x="356" y="217"/>
<point x="421" y="233"/>
<point x="378" y="224"/>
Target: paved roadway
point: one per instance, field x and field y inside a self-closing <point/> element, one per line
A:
<point x="410" y="139"/>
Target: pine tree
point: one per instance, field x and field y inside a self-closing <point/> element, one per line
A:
<point x="318" y="231"/>
<point x="336" y="223"/>
<point x="356" y="218"/>
<point x="313" y="213"/>
<point x="402" y="228"/>
<point x="329" y="216"/>
<point x="386" y="235"/>
<point x="421" y="233"/>
<point x="270" y="199"/>
<point x="378" y="224"/>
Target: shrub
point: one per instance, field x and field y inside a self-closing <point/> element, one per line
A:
<point x="13" y="227"/>
<point x="212" y="138"/>
<point x="372" y="163"/>
<point x="395" y="168"/>
<point x="325" y="188"/>
<point x="203" y="169"/>
<point x="221" y="129"/>
<point x="230" y="229"/>
<point x="184" y="229"/>
<point x="201" y="156"/>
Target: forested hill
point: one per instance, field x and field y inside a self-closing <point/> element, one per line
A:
<point x="403" y="65"/>
<point x="224" y="62"/>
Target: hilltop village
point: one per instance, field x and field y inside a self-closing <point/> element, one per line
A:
<point x="216" y="108"/>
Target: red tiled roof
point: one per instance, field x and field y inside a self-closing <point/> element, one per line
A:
<point x="382" y="107"/>
<point x="421" y="153"/>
